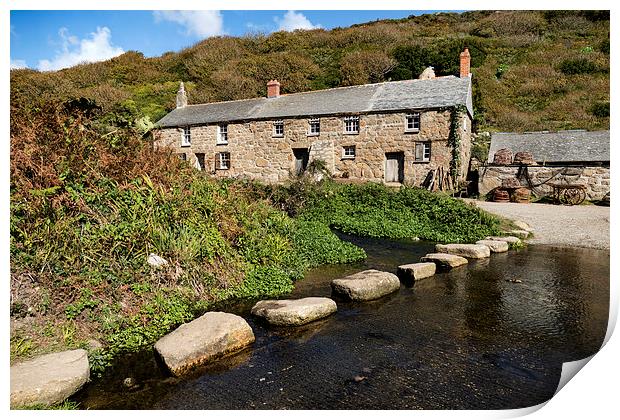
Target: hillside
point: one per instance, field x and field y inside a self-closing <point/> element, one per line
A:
<point x="532" y="70"/>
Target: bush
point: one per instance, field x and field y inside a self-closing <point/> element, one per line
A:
<point x="376" y="211"/>
<point x="600" y="109"/>
<point x="578" y="66"/>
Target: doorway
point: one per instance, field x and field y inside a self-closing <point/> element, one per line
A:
<point x="394" y="166"/>
<point x="301" y="160"/>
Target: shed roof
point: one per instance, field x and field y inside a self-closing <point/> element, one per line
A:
<point x="387" y="96"/>
<point x="562" y="146"/>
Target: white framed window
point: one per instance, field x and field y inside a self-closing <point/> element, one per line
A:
<point x="348" y="152"/>
<point x="183" y="156"/>
<point x="222" y="160"/>
<point x="222" y="134"/>
<point x="352" y="124"/>
<point x="278" y="128"/>
<point x="314" y="126"/>
<point x="186" y="137"/>
<point x="423" y="151"/>
<point x="412" y="122"/>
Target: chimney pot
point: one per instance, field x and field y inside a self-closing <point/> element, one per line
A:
<point x="465" y="63"/>
<point x="273" y="89"/>
<point x="181" y="96"/>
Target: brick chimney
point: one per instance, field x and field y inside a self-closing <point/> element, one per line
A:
<point x="465" y="63"/>
<point x="273" y="89"/>
<point x="181" y="96"/>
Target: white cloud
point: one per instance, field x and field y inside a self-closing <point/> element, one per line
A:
<point x="18" y="64"/>
<point x="74" y="51"/>
<point x="202" y="23"/>
<point x="293" y="20"/>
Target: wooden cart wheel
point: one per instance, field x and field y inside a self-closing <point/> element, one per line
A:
<point x="573" y="196"/>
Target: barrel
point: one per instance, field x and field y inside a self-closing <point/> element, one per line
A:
<point x="501" y="196"/>
<point x="502" y="157"/>
<point x="524" y="158"/>
<point x="521" y="195"/>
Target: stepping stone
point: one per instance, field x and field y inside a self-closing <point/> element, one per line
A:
<point x="465" y="250"/>
<point x="366" y="285"/>
<point x="294" y="312"/>
<point x="417" y="271"/>
<point x="510" y="239"/>
<point x="523" y="234"/>
<point x="210" y="337"/>
<point x="445" y="261"/>
<point x="495" y="246"/>
<point x="49" y="379"/>
<point x="522" y="225"/>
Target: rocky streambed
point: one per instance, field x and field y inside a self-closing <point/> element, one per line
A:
<point x="490" y="334"/>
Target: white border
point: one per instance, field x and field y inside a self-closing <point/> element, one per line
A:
<point x="593" y="393"/>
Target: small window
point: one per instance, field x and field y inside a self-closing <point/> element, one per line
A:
<point x="222" y="160"/>
<point x="412" y="122"/>
<point x="423" y="151"/>
<point x="352" y="125"/>
<point x="278" y="128"/>
<point x="222" y="134"/>
<point x="465" y="124"/>
<point x="183" y="156"/>
<point x="186" y="137"/>
<point x="314" y="126"/>
<point x="348" y="152"/>
<point x="200" y="161"/>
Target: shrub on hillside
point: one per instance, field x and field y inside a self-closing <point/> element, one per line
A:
<point x="578" y="66"/>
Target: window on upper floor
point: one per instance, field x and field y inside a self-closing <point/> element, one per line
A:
<point x="222" y="134"/>
<point x="186" y="137"/>
<point x="278" y="128"/>
<point x="348" y="152"/>
<point x="314" y="126"/>
<point x="352" y="124"/>
<point x="423" y="151"/>
<point x="412" y="122"/>
<point x="222" y="160"/>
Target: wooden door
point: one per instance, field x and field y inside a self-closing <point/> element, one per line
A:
<point x="394" y="167"/>
<point x="301" y="160"/>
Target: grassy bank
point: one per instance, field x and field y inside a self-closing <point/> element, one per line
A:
<point x="87" y="208"/>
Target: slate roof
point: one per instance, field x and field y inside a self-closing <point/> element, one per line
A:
<point x="562" y="146"/>
<point x="388" y="96"/>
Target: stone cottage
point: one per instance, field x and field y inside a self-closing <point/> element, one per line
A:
<point x="391" y="132"/>
<point x="576" y="157"/>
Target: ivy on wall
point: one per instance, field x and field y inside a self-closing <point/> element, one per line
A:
<point x="454" y="140"/>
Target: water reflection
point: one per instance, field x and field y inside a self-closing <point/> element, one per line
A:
<point x="469" y="338"/>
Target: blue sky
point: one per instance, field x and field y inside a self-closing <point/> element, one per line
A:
<point x="50" y="40"/>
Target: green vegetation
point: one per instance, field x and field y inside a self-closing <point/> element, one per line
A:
<point x="533" y="70"/>
<point x="90" y="199"/>
<point x="377" y="211"/>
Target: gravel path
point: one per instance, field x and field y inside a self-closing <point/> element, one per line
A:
<point x="571" y="226"/>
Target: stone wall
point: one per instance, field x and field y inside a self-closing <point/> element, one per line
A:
<point x="595" y="178"/>
<point x="256" y="153"/>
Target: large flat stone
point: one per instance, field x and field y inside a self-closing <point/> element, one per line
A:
<point x="465" y="250"/>
<point x="510" y="239"/>
<point x="417" y="271"/>
<point x="366" y="285"/>
<point x="49" y="379"/>
<point x="294" y="312"/>
<point x="495" y="246"/>
<point x="523" y="234"/>
<point x="445" y="261"/>
<point x="210" y="337"/>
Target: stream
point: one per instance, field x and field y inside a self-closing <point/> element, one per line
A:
<point x="489" y="335"/>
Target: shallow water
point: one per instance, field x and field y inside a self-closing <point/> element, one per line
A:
<point x="471" y="338"/>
